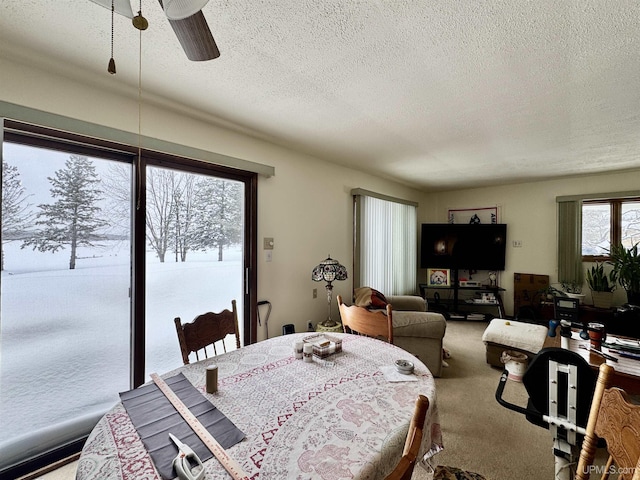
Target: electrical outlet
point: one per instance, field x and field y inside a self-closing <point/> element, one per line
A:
<point x="517" y="243"/>
<point x="315" y="293"/>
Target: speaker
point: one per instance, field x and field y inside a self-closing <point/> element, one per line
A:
<point x="288" y="328"/>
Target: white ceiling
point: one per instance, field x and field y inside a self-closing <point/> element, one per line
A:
<point x="433" y="93"/>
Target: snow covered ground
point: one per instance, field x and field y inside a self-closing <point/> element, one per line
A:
<point x="64" y="334"/>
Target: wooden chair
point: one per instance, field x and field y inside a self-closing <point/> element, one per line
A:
<point x="404" y="469"/>
<point x="361" y="321"/>
<point x="206" y="330"/>
<point x="613" y="418"/>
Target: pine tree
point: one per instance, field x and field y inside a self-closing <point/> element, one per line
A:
<point x="74" y="217"/>
<point x="218" y="214"/>
<point x="15" y="209"/>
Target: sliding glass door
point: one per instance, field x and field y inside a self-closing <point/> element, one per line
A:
<point x="101" y="249"/>
<point x="194" y="256"/>
<point x="64" y="301"/>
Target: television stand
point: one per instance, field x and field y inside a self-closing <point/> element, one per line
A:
<point x="455" y="311"/>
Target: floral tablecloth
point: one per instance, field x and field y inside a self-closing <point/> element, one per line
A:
<point x="338" y="418"/>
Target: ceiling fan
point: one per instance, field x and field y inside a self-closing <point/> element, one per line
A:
<point x="188" y="23"/>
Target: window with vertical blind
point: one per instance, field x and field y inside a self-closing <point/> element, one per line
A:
<point x="385" y="243"/>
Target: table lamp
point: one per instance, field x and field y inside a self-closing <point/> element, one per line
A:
<point x="329" y="270"/>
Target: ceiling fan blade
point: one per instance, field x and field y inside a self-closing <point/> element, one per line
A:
<point x="195" y="37"/>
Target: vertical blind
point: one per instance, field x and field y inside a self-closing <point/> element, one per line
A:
<point x="386" y="244"/>
<point x="570" y="242"/>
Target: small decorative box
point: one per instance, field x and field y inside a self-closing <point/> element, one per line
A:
<point x="324" y="345"/>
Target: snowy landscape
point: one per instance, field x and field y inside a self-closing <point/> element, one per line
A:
<point x="64" y="343"/>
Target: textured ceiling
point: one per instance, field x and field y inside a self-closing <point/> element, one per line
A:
<point x="435" y="94"/>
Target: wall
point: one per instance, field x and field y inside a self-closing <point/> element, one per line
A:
<point x="529" y="210"/>
<point x="306" y="207"/>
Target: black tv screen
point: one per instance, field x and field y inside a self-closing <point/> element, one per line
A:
<point x="463" y="246"/>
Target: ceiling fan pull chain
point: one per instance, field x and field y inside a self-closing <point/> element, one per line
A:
<point x="112" y="63"/>
<point x="139" y="21"/>
<point x="141" y="24"/>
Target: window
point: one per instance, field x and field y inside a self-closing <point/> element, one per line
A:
<point x="92" y="278"/>
<point x="386" y="245"/>
<point x="609" y="222"/>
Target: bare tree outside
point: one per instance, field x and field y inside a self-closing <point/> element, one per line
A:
<point x="187" y="212"/>
<point x="597" y="222"/>
<point x="596" y="228"/>
<point x="116" y="183"/>
<point x="184" y="227"/>
<point x="16" y="217"/>
<point x="160" y="209"/>
<point x="630" y="223"/>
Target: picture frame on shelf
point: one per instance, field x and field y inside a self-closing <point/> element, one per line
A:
<point x="438" y="277"/>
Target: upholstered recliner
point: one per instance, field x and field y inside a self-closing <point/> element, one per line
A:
<point x="415" y="330"/>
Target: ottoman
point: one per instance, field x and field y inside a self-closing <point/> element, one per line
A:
<point x="501" y="335"/>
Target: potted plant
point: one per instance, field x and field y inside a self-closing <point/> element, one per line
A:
<point x="549" y="292"/>
<point x="572" y="290"/>
<point x="626" y="270"/>
<point x="601" y="286"/>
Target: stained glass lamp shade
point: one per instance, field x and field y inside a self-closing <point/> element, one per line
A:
<point x="329" y="270"/>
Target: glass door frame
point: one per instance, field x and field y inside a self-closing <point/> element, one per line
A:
<point x="250" y="297"/>
<point x="45" y="137"/>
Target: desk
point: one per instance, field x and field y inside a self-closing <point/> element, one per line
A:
<point x="338" y="418"/>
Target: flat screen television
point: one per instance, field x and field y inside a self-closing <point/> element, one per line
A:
<point x="463" y="246"/>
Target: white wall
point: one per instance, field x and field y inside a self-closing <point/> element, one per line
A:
<point x="530" y="212"/>
<point x="306" y="207"/>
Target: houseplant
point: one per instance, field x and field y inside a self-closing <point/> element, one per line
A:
<point x="626" y="270"/>
<point x="572" y="289"/>
<point x="601" y="286"/>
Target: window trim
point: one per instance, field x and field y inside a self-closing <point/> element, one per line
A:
<point x="107" y="136"/>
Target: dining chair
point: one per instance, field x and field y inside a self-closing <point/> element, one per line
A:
<point x="616" y="420"/>
<point x="361" y="321"/>
<point x="206" y="330"/>
<point x="404" y="469"/>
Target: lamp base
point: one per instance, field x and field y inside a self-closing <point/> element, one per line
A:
<point x="329" y="323"/>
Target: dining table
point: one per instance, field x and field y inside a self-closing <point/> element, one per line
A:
<point x="343" y="415"/>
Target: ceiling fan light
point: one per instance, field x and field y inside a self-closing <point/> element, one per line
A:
<point x="122" y="7"/>
<point x="180" y="9"/>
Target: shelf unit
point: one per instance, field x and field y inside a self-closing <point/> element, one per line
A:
<point x="456" y="302"/>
